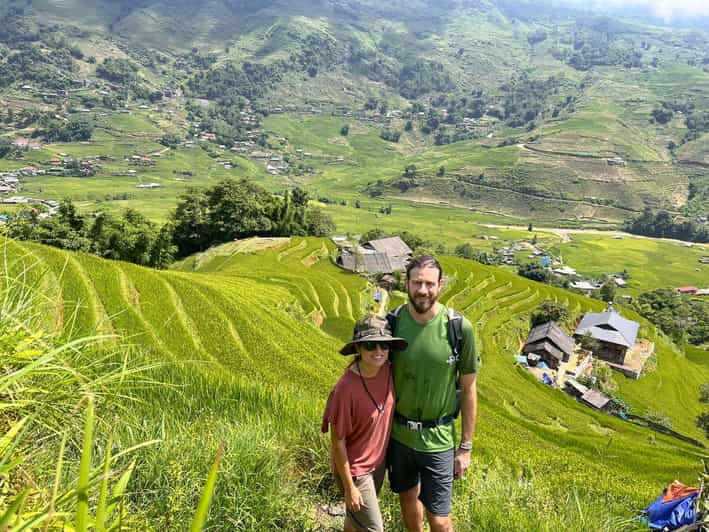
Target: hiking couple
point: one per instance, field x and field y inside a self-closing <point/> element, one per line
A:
<point x="395" y="407"/>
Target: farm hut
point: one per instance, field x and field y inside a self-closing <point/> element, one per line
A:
<point x="596" y="399"/>
<point x="386" y="255"/>
<point x="394" y="248"/>
<point x="364" y="261"/>
<point x="575" y="388"/>
<point x="615" y="334"/>
<point x="551" y="343"/>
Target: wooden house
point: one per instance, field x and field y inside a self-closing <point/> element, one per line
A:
<point x="551" y="343"/>
<point x="614" y="333"/>
<point x="386" y="255"/>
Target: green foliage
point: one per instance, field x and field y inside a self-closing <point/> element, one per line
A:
<point x="390" y="135"/>
<point x="702" y="422"/>
<point x="681" y="318"/>
<point x="467" y="251"/>
<point x="239" y="209"/>
<point x="525" y="99"/>
<point x="704" y="393"/>
<point x="589" y="343"/>
<point x="662" y="224"/>
<point x="131" y="237"/>
<point x="70" y="131"/>
<point x="535" y="272"/>
<point x="549" y="311"/>
<point x="607" y="291"/>
<point x="118" y="70"/>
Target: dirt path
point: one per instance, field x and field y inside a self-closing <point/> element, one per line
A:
<point x="565" y="234"/>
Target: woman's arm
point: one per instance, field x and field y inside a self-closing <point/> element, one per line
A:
<point x="353" y="498"/>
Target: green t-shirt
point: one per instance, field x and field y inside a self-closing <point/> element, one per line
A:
<point x="425" y="376"/>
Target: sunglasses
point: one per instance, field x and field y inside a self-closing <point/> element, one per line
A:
<point x="371" y="346"/>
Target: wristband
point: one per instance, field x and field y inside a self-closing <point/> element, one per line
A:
<point x="466" y="446"/>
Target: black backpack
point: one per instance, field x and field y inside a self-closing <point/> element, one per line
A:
<point x="455" y="339"/>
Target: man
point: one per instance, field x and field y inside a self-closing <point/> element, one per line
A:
<point x="423" y="460"/>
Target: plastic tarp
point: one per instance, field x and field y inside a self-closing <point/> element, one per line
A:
<point x="521" y="359"/>
<point x="670" y="512"/>
<point x="542" y="365"/>
<point x="546" y="379"/>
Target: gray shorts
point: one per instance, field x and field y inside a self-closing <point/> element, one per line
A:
<point x="434" y="471"/>
<point x="369" y="518"/>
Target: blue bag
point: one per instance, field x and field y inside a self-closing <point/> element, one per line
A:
<point x="672" y="514"/>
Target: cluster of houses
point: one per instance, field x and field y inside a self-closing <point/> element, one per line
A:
<point x="52" y="206"/>
<point x="557" y="358"/>
<point x="10" y="182"/>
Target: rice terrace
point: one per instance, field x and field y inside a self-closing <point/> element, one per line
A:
<point x="199" y="202"/>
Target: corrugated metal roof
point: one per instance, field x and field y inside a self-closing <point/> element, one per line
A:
<point x="595" y="398"/>
<point x="609" y="326"/>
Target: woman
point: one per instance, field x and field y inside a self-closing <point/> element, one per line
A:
<point x="359" y="413"/>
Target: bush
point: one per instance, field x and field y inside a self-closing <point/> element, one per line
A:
<point x="550" y="311"/>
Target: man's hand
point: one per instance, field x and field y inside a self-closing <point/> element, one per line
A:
<point x="461" y="464"/>
<point x="353" y="500"/>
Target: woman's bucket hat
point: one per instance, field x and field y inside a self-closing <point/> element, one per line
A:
<point x="372" y="329"/>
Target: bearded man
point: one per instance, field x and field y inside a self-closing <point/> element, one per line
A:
<point x="422" y="458"/>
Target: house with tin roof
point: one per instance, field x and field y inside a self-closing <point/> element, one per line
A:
<point x="614" y="333"/>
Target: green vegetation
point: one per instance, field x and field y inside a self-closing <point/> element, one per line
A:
<point x="277" y="311"/>
<point x="661" y="224"/>
<point x="681" y="318"/>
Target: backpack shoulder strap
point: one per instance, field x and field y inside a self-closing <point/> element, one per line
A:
<point x="455" y="332"/>
<point x="393" y="317"/>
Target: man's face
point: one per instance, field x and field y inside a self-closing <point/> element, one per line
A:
<point x="423" y="288"/>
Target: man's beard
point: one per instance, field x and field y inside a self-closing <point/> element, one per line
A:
<point x="422" y="306"/>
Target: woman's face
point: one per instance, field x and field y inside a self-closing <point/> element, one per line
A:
<point x="374" y="354"/>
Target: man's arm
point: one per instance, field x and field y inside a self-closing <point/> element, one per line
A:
<point x="469" y="412"/>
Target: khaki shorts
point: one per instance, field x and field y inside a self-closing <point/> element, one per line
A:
<point x="369" y="518"/>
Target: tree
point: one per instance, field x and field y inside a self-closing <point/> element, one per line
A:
<point x="589" y="343"/>
<point x="300" y="197"/>
<point x="704" y="393"/>
<point x="534" y="271"/>
<point x="702" y="422"/>
<point x="549" y="310"/>
<point x="318" y="222"/>
<point x="607" y="291"/>
<point x="529" y="227"/>
<point x="410" y="171"/>
<point x="373" y="234"/>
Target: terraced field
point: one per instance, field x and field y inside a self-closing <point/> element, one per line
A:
<point x="273" y="316"/>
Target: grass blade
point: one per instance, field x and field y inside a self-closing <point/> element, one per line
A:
<point x="14" y="508"/>
<point x="103" y="492"/>
<point x="203" y="508"/>
<point x="82" y="504"/>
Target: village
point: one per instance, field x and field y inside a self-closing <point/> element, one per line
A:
<point x="563" y="360"/>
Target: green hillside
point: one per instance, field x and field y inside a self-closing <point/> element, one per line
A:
<point x="522" y="108"/>
<point x="249" y="333"/>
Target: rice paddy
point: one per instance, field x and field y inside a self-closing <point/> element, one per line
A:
<point x="247" y="338"/>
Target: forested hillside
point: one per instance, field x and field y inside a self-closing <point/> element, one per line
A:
<point x="550" y="113"/>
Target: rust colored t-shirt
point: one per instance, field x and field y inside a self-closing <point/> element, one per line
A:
<point x="357" y="420"/>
